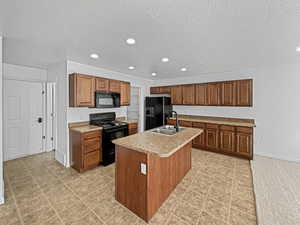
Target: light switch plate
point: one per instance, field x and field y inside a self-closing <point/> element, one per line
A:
<point x="143" y="168"/>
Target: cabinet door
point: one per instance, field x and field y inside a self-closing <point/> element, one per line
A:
<point x="244" y="142"/>
<point x="154" y="90"/>
<point x="199" y="142"/>
<point x="227" y="138"/>
<point x="212" y="137"/>
<point x="185" y="123"/>
<point x="125" y="93"/>
<point x="165" y="90"/>
<point x="82" y="90"/>
<point x="244" y="93"/>
<point x="114" y="86"/>
<point x="228" y="95"/>
<point x="200" y="94"/>
<point x="176" y="95"/>
<point x="188" y="94"/>
<point x="214" y="93"/>
<point x="102" y="84"/>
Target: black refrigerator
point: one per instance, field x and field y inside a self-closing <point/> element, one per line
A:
<point x="157" y="110"/>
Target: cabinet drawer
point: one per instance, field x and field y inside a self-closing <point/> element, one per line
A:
<point x="212" y="126"/>
<point x="93" y="134"/>
<point x="185" y="123"/>
<point x="246" y="130"/>
<point x="91" y="159"/>
<point x="199" y="125"/>
<point x="227" y="128"/>
<point x="92" y="144"/>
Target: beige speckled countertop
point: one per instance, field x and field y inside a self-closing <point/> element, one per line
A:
<point x="218" y="120"/>
<point x="83" y="127"/>
<point x="160" y="144"/>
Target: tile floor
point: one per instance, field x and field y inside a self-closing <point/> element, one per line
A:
<point x="218" y="190"/>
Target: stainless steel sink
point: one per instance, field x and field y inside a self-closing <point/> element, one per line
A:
<point x="167" y="130"/>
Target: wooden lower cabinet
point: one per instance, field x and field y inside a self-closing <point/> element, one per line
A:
<point x="132" y="128"/>
<point x="212" y="136"/>
<point x="86" y="149"/>
<point x="226" y="139"/>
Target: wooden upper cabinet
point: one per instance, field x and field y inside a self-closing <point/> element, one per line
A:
<point x="228" y="93"/>
<point x="188" y="94"/>
<point x="200" y="94"/>
<point x="176" y="95"/>
<point x="165" y="90"/>
<point x="102" y="84"/>
<point x="214" y="93"/>
<point x="125" y="93"/>
<point x="81" y="90"/>
<point x="114" y="86"/>
<point x="244" y="92"/>
<point x="155" y="90"/>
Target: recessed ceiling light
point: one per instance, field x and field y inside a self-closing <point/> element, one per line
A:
<point x="130" y="41"/>
<point x="131" y="67"/>
<point x="298" y="49"/>
<point x="183" y="69"/>
<point x="153" y="74"/>
<point x="94" y="56"/>
<point x="165" y="59"/>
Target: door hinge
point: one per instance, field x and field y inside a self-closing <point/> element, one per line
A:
<point x="43" y="92"/>
<point x="44" y="137"/>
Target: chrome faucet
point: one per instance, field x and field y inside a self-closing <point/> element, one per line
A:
<point x="176" y="126"/>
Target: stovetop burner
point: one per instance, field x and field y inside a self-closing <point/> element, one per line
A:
<point x="106" y="120"/>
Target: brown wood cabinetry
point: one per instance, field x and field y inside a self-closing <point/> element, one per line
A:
<point x="188" y="94"/>
<point x="244" y="141"/>
<point x="102" y="84"/>
<point x="199" y="142"/>
<point x="227" y="138"/>
<point x="244" y="93"/>
<point x="114" y="86"/>
<point x="81" y="90"/>
<point x="86" y="149"/>
<point x="201" y="94"/>
<point x="212" y="136"/>
<point x="228" y="89"/>
<point x="225" y="93"/>
<point x="125" y="93"/>
<point x="132" y="128"/>
<point x="214" y="94"/>
<point x="176" y="95"/>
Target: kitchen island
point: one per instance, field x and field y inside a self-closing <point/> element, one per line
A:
<point x="149" y="166"/>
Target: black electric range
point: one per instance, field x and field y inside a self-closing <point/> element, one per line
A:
<point x="112" y="129"/>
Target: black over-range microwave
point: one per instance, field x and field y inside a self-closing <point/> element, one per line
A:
<point x="107" y="100"/>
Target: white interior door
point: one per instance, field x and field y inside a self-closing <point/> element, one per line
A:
<point x="23" y="118"/>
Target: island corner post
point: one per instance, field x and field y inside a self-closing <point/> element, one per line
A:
<point x="143" y="192"/>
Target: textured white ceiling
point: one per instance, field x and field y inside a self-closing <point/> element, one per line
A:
<point x="203" y="35"/>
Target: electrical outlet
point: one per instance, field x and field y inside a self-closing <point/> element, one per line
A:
<point x="143" y="168"/>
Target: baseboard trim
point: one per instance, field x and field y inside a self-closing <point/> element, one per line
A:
<point x="276" y="157"/>
<point x="60" y="157"/>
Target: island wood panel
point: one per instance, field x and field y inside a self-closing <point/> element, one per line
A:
<point x="188" y="94"/>
<point x="144" y="194"/>
<point x="201" y="94"/>
<point x="131" y="184"/>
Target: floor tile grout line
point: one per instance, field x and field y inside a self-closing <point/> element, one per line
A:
<point x="15" y="201"/>
<point x="43" y="193"/>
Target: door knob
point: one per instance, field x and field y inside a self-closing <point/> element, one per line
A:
<point x="40" y="120"/>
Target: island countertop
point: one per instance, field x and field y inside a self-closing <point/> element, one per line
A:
<point x="160" y="144"/>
